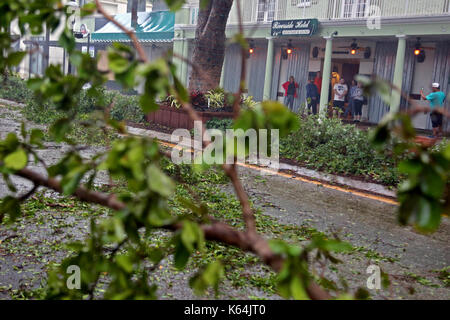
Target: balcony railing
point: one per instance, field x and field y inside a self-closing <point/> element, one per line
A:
<point x="359" y="9"/>
<point x="254" y="12"/>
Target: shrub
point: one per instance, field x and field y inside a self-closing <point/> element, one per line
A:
<point x="126" y="108"/>
<point x="88" y="103"/>
<point x="333" y="147"/>
<point x="221" y="124"/>
<point x="41" y="112"/>
<point x="15" y="89"/>
<point x="216" y="99"/>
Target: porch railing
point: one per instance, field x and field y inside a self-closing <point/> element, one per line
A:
<point x="254" y="12"/>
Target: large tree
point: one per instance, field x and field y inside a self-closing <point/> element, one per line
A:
<point x="209" y="47"/>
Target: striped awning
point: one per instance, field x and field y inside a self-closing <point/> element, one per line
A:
<point x="151" y="27"/>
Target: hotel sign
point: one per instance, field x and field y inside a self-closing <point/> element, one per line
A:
<point x="302" y="27"/>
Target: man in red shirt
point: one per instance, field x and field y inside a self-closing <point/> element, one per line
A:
<point x="318" y="81"/>
<point x="290" y="92"/>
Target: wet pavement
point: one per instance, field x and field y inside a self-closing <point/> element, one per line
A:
<point x="409" y="258"/>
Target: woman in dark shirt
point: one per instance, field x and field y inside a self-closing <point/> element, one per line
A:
<point x="290" y="92"/>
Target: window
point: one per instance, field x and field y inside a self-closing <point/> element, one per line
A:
<point x="354" y="8"/>
<point x="301" y="3"/>
<point x="194" y="15"/>
<point x="266" y="10"/>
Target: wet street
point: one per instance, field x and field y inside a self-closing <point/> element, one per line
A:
<point x="410" y="259"/>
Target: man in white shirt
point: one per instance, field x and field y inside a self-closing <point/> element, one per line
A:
<point x="340" y="91"/>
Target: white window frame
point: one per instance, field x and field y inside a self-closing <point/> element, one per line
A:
<point x="193" y="15"/>
<point x="266" y="11"/>
<point x="351" y="15"/>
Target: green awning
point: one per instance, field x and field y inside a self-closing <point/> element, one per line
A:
<point x="151" y="27"/>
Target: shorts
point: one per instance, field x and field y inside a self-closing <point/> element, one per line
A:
<point x="339" y="104"/>
<point x="436" y="119"/>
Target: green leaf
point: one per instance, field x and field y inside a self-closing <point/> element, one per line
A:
<point x="181" y="90"/>
<point x="10" y="206"/>
<point x="159" y="182"/>
<point x="15" y="58"/>
<point x="331" y="244"/>
<point x="88" y="9"/>
<point x="71" y="181"/>
<point x="36" y="137"/>
<point x="432" y="184"/>
<point x="67" y="40"/>
<point x="125" y="262"/>
<point x="190" y="235"/>
<point x="181" y="255"/>
<point x="118" y="62"/>
<point x="148" y="103"/>
<point x="204" y="3"/>
<point x="209" y="276"/>
<point x="35" y="83"/>
<point x="16" y="160"/>
<point x="428" y="215"/>
<point x="174" y="5"/>
<point x="59" y="129"/>
<point x="411" y="167"/>
<point x="447" y="151"/>
<point x="297" y="289"/>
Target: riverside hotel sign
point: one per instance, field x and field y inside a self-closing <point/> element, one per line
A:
<point x="301" y="27"/>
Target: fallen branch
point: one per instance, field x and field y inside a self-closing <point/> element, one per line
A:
<point x="216" y="231"/>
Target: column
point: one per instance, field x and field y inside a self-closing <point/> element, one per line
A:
<point x="222" y="75"/>
<point x="398" y="73"/>
<point x="184" y="65"/>
<point x="269" y="70"/>
<point x="178" y="49"/>
<point x="326" y="75"/>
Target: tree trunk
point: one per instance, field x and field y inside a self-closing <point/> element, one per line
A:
<point x="209" y="45"/>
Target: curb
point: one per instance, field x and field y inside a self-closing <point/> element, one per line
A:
<point x="311" y="174"/>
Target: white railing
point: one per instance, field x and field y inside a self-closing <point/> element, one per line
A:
<point x="359" y="9"/>
<point x="253" y="11"/>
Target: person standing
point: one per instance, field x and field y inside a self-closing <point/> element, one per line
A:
<point x="290" y="92"/>
<point x="350" y="107"/>
<point x="312" y="96"/>
<point x="340" y="91"/>
<point x="358" y="100"/>
<point x="318" y="82"/>
<point x="436" y="99"/>
<point x="335" y="78"/>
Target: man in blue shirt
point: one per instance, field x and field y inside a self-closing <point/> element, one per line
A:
<point x="312" y="96"/>
<point x="436" y="99"/>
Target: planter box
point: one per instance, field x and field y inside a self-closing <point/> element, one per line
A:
<point x="425" y="141"/>
<point x="178" y="118"/>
